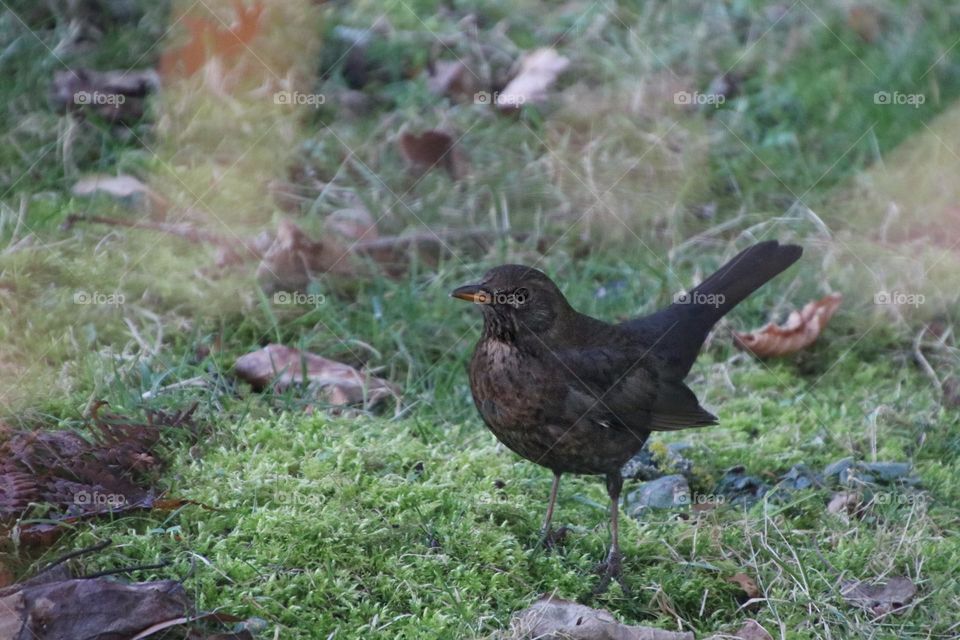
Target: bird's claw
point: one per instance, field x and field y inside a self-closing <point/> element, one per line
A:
<point x="552" y="538"/>
<point x="610" y="569"/>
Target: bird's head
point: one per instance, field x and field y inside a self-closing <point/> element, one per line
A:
<point x="516" y="300"/>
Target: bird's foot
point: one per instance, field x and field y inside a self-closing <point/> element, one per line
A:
<point x="610" y="569"/>
<point x="552" y="538"/>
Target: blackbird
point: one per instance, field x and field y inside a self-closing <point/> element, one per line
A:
<point x="578" y="395"/>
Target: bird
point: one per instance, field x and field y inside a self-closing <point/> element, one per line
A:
<point x="579" y="395"/>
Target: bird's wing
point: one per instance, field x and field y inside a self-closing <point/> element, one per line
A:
<point x="678" y="408"/>
<point x="618" y="387"/>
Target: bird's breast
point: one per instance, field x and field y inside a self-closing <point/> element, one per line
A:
<point x="507" y="385"/>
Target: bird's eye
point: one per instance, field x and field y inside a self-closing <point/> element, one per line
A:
<point x="521" y="296"/>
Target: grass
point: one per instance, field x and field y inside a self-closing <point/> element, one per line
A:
<point x="400" y="528"/>
<point x="418" y="524"/>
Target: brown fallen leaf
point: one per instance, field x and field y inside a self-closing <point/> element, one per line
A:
<point x="115" y="96"/>
<point x="431" y="149"/>
<point x="122" y="187"/>
<point x="844" y="503"/>
<point x="752" y="630"/>
<point x="551" y="618"/>
<point x="294" y="259"/>
<point x="865" y="20"/>
<point x="339" y="384"/>
<point x="801" y="329"/>
<point x="747" y="584"/>
<point x="451" y="78"/>
<point x="88" y="608"/>
<point x="76" y="477"/>
<point x="538" y="72"/>
<point x="54" y="605"/>
<point x="880" y="599"/>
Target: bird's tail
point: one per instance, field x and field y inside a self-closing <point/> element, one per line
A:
<point x="681" y="328"/>
<point x="742" y="275"/>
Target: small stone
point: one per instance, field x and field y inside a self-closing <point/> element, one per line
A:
<point x="641" y="467"/>
<point x="889" y="471"/>
<point x="847" y="471"/>
<point x="647" y="466"/>
<point x="800" y="477"/>
<point x="738" y="487"/>
<point x="835" y="469"/>
<point x="668" y="492"/>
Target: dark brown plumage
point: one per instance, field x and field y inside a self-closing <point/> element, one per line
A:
<point x="578" y="395"/>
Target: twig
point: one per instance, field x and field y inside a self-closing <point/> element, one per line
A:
<point x="924" y="363"/>
<point x="100" y="546"/>
<point x="181" y="230"/>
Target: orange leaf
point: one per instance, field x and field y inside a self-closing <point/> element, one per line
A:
<point x="800" y="330"/>
<point x="209" y="39"/>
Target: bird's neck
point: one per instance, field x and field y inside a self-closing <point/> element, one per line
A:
<point x="501" y="328"/>
<point x="522" y="336"/>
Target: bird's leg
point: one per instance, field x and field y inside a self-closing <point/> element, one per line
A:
<point x="612" y="568"/>
<point x="547" y="536"/>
